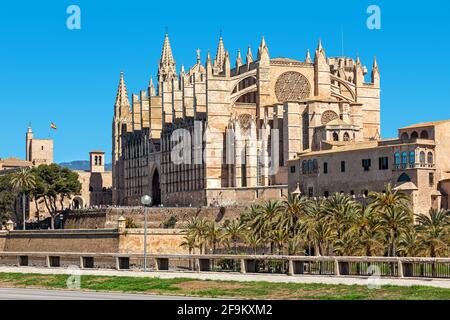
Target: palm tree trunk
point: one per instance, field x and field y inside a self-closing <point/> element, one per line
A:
<point x="23" y="211"/>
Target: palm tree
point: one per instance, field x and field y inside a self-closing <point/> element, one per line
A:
<point x="197" y="229"/>
<point x="264" y="219"/>
<point x="346" y="245"/>
<point x="409" y="244"/>
<point x="252" y="240"/>
<point x="390" y="198"/>
<point x="189" y="243"/>
<point x="293" y="210"/>
<point x="213" y="236"/>
<point x="233" y="232"/>
<point x="23" y="181"/>
<point x="395" y="221"/>
<point x="340" y="209"/>
<point x="434" y="232"/>
<point x="280" y="237"/>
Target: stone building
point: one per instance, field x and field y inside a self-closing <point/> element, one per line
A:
<point x="244" y="122"/>
<point x="417" y="163"/>
<point x="38" y="151"/>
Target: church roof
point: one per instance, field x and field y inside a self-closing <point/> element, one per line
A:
<point x="282" y="59"/>
<point x="337" y="122"/>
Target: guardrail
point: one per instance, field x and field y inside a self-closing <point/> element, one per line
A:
<point x="291" y="265"/>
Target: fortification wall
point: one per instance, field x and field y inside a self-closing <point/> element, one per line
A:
<point x="165" y="241"/>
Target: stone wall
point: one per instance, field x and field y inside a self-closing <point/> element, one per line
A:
<point x="161" y="241"/>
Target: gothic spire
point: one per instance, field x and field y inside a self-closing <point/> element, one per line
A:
<point x="220" y="55"/>
<point x="320" y="50"/>
<point x="308" y="57"/>
<point x="151" y="88"/>
<point x="262" y="50"/>
<point x="238" y="59"/>
<point x="167" y="67"/>
<point x="249" y="56"/>
<point x="121" y="97"/>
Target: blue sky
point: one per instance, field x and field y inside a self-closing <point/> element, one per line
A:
<point x="70" y="77"/>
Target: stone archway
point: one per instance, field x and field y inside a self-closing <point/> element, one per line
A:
<point x="156" y="189"/>
<point x="77" y="203"/>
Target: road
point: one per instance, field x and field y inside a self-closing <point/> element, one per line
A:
<point x="42" y="294"/>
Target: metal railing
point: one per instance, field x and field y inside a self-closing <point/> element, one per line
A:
<point x="272" y="264"/>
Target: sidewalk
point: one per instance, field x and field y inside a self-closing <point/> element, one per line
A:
<point x="241" y="277"/>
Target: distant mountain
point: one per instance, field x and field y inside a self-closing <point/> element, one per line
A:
<point x="82" y="165"/>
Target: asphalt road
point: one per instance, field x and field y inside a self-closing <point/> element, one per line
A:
<point x="42" y="294"/>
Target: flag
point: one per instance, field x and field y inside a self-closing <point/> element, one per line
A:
<point x="52" y="126"/>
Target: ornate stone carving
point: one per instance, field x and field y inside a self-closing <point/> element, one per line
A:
<point x="245" y="121"/>
<point x="328" y="116"/>
<point x="292" y="86"/>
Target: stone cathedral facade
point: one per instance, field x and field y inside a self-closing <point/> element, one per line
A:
<point x="244" y="121"/>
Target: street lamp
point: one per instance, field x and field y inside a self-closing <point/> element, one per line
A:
<point x="146" y="201"/>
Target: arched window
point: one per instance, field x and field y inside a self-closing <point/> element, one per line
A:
<point x="414" y="135"/>
<point x="310" y="166"/>
<point x="404" y="178"/>
<point x="96" y="160"/>
<point x="404" y="159"/>
<point x="430" y="158"/>
<point x="412" y="159"/>
<point x="346" y="137"/>
<point x="424" y="134"/>
<point x="397" y="158"/>
<point x="315" y="166"/>
<point x="100" y="161"/>
<point x="404" y="136"/>
<point x="422" y="157"/>
<point x="304" y="167"/>
<point x="335" y="136"/>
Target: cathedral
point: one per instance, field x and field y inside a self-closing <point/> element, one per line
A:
<point x="243" y="122"/>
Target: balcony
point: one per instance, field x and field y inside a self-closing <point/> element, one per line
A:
<point x="408" y="166"/>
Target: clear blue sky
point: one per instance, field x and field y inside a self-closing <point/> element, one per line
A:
<point x="50" y="73"/>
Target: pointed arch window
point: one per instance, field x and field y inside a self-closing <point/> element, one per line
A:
<point x="404" y="159"/>
<point x="430" y="157"/>
<point x="397" y="159"/>
<point x="412" y="159"/>
<point x="346" y="137"/>
<point x="335" y="136"/>
<point x="422" y="158"/>
<point x="404" y="178"/>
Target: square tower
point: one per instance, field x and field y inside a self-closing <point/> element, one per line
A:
<point x="97" y="160"/>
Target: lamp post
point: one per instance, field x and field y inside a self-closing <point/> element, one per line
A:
<point x="61" y="220"/>
<point x="146" y="201"/>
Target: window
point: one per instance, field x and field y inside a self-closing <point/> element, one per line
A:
<point x="430" y="158"/>
<point x="404" y="178"/>
<point x="292" y="169"/>
<point x="42" y="148"/>
<point x="342" y="166"/>
<point x="326" y="194"/>
<point x="431" y="179"/>
<point x="383" y="163"/>
<point x="366" y="193"/>
<point x="315" y="166"/>
<point x="352" y="192"/>
<point x="346" y="137"/>
<point x="404" y="159"/>
<point x="310" y="192"/>
<point x="397" y="159"/>
<point x="310" y="166"/>
<point x="335" y="136"/>
<point x="325" y="167"/>
<point x="414" y="135"/>
<point x="366" y="163"/>
<point x="304" y="167"/>
<point x="404" y="136"/>
<point x="412" y="159"/>
<point x="422" y="157"/>
<point x="424" y="134"/>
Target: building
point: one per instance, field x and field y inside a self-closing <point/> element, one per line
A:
<point x="38" y="151"/>
<point x="244" y="122"/>
<point x="13" y="164"/>
<point x="417" y="163"/>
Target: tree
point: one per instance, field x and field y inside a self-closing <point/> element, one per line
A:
<point x="7" y="199"/>
<point x="23" y="181"/>
<point x="213" y="236"/>
<point x="197" y="230"/>
<point x="395" y="221"/>
<point x="54" y="184"/>
<point x="233" y="232"/>
<point x="434" y="233"/>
